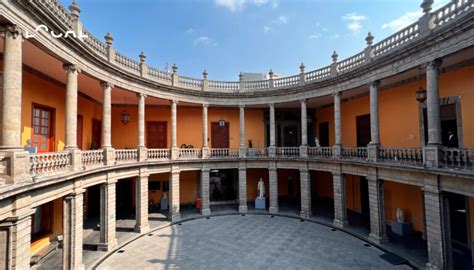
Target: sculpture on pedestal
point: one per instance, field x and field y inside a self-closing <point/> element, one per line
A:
<point x="261" y="188"/>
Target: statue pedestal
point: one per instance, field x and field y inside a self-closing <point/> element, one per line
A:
<point x="164" y="203"/>
<point x="401" y="229"/>
<point x="260" y="203"/>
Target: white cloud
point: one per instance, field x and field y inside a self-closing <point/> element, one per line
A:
<point x="354" y="21"/>
<point x="281" y="20"/>
<point x="409" y="17"/>
<point x="236" y="5"/>
<point x="315" y="36"/>
<point x="267" y="29"/>
<point x="205" y="41"/>
<point x="189" y="31"/>
<point x="335" y="36"/>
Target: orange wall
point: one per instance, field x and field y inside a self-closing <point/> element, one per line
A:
<point x="189" y="125"/>
<point x="399" y="116"/>
<point x="283" y="175"/>
<point x="155" y="195"/>
<point x="407" y="197"/>
<point x="321" y="184"/>
<point x="353" y="192"/>
<point x="189" y="182"/>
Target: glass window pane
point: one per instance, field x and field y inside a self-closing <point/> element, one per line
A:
<point x="36" y="130"/>
<point x="44" y="130"/>
<point x="44" y="122"/>
<point x="36" y="112"/>
<point x="43" y="146"/>
<point x="45" y="114"/>
<point x="36" y="121"/>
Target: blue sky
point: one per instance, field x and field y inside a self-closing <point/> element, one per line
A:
<point x="228" y="36"/>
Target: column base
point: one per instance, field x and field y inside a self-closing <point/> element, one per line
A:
<point x="107" y="246"/>
<point x="336" y="151"/>
<point x="174" y="153"/>
<point x="304" y="151"/>
<point x="205" y="152"/>
<point x="76" y="158"/>
<point x="430" y="266"/>
<point x="14" y="167"/>
<point x="373" y="152"/>
<point x="242" y="152"/>
<point x="272" y="151"/>
<point x="242" y="209"/>
<point x="206" y="212"/>
<point x="378" y="239"/>
<point x="141" y="228"/>
<point x="431" y="155"/>
<point x="176" y="218"/>
<point x="109" y="156"/>
<point x="305" y="214"/>
<point x="340" y="224"/>
<point x="273" y="210"/>
<point x="142" y="154"/>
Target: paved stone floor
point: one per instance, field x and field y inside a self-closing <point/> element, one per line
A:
<point x="247" y="242"/>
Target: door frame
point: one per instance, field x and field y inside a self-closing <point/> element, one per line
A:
<point x="228" y="133"/>
<point x="165" y="133"/>
<point x="52" y="125"/>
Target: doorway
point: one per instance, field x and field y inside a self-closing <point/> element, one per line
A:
<point x="220" y="135"/>
<point x="156" y="134"/>
<point x="42" y="136"/>
<point x="124" y="199"/>
<point x="290" y="136"/>
<point x="363" y="130"/>
<point x="96" y="134"/>
<point x="80" y="120"/>
<point x="324" y="134"/>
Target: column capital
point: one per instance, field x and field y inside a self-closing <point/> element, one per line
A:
<point x="205" y="105"/>
<point x="105" y="85"/>
<point x="71" y="68"/>
<point x="304" y="100"/>
<point x="241" y="106"/>
<point x="271" y="105"/>
<point x="374" y="84"/>
<point x="336" y="94"/>
<point x="174" y="102"/>
<point x="141" y="95"/>
<point x="434" y="65"/>
<point x="12" y="30"/>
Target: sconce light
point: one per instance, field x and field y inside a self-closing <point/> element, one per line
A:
<point x="125" y="116"/>
<point x="421" y="92"/>
<point x="222" y="122"/>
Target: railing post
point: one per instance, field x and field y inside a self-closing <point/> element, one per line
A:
<point x="241" y="82"/>
<point x="75" y="11"/>
<point x="110" y="50"/>
<point x="374" y="145"/>
<point x="205" y="81"/>
<point x="333" y="66"/>
<point x="302" y="75"/>
<point x="369" y="51"/>
<point x="174" y="75"/>
<point x="337" y="148"/>
<point x="425" y="23"/>
<point x="143" y="65"/>
<point x="270" y="79"/>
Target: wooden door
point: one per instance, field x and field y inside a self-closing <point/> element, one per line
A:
<point x="156" y="134"/>
<point x="96" y="134"/>
<point x="43" y="128"/>
<point x="363" y="130"/>
<point x="80" y="120"/>
<point x="219" y="135"/>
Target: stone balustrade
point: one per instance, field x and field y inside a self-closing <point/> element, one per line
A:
<point x="438" y="18"/>
<point x="224" y="153"/>
<point x="126" y="155"/>
<point x="401" y="154"/>
<point x="189" y="153"/>
<point x="288" y="152"/>
<point x="457" y="158"/>
<point x="49" y="163"/>
<point x="359" y="153"/>
<point x="158" y="154"/>
<point x="257" y="152"/>
<point x="322" y="152"/>
<point x="92" y="158"/>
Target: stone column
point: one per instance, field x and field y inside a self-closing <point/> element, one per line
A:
<point x="304" y="129"/>
<point x="378" y="232"/>
<point x="305" y="187"/>
<point x="337" y="126"/>
<point x="174" y="201"/>
<point x="435" y="228"/>
<point x="205" y="147"/>
<point x="71" y="105"/>
<point x="340" y="210"/>
<point x="174" y="141"/>
<point x="273" y="187"/>
<point x="205" y="205"/>
<point x="242" y="188"/>
<point x="72" y="231"/>
<point x="242" y="131"/>
<point x="142" y="151"/>
<point x="107" y="123"/>
<point x="141" y="204"/>
<point x="374" y="145"/>
<point x="272" y="147"/>
<point x="17" y="239"/>
<point x="10" y="129"/>
<point x="107" y="216"/>
<point x="433" y="113"/>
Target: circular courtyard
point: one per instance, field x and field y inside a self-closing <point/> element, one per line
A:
<point x="247" y="242"/>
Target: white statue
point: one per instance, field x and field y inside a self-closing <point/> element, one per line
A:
<point x="400" y="216"/>
<point x="316" y="142"/>
<point x="261" y="188"/>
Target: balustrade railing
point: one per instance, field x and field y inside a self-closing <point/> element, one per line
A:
<point x="354" y="153"/>
<point x="457" y="158"/>
<point x="159" y="74"/>
<point x="401" y="154"/>
<point x="92" y="158"/>
<point x="190" y="153"/>
<point x="323" y="152"/>
<point x="257" y="152"/>
<point x="288" y="151"/>
<point x="59" y="11"/>
<point x="224" y="152"/>
<point x="256" y="85"/>
<point x="351" y="62"/>
<point x="95" y="44"/>
<point x="318" y="74"/>
<point x="397" y="39"/>
<point x="286" y="81"/>
<point x="49" y="163"/>
<point x="451" y="10"/>
<point x="126" y="155"/>
<point x="228" y="86"/>
<point x="158" y="154"/>
<point x="190" y="82"/>
<point x="126" y="62"/>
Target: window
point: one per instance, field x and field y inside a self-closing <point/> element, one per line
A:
<point x="42" y="133"/>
